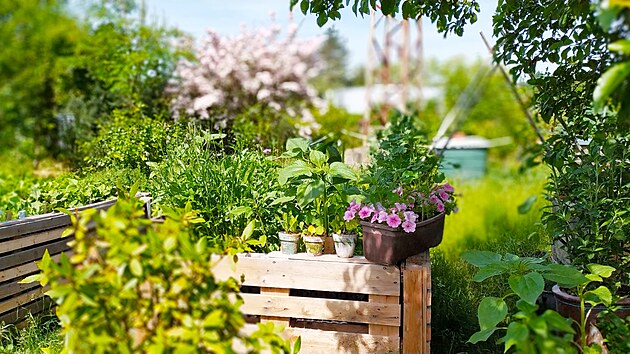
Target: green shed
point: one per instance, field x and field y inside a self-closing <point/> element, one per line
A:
<point x="464" y="157"/>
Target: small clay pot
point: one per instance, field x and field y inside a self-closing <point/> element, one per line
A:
<point x="345" y="244"/>
<point x="289" y="242"/>
<point x="314" y="244"/>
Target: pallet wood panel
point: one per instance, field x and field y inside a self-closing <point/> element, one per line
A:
<point x="387" y="314"/>
<point x="271" y="316"/>
<point x="271" y="271"/>
<point x="417" y="304"/>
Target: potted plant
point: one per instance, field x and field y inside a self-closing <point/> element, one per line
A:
<point x="314" y="237"/>
<point x="316" y="177"/>
<point x="290" y="237"/>
<point x="404" y="197"/>
<point x="344" y="233"/>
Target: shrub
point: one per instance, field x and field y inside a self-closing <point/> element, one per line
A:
<point x="137" y="287"/>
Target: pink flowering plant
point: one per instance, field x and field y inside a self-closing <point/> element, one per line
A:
<point x="403" y="185"/>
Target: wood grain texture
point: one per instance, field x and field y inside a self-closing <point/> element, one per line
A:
<point x="391" y="329"/>
<point x="272" y="316"/>
<point x="341" y="276"/>
<point x="24" y="269"/>
<point x="31" y="240"/>
<point x="387" y="314"/>
<point x="416" y="299"/>
<point x="33" y="254"/>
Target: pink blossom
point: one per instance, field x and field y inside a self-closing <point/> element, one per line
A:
<point x="447" y="187"/>
<point x="382" y="216"/>
<point x="433" y="199"/>
<point x="354" y="206"/>
<point x="348" y="215"/>
<point x="365" y="212"/>
<point x="393" y="220"/>
<point x="440" y="207"/>
<point x="374" y="218"/>
<point x="410" y="216"/>
<point x="398" y="191"/>
<point x="444" y="196"/>
<point x="409" y="226"/>
<point x="400" y="206"/>
<point x="379" y="207"/>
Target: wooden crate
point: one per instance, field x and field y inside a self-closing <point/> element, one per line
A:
<point x="338" y="305"/>
<point x="24" y="241"/>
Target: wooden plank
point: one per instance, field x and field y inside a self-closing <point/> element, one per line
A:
<point x="330" y="325"/>
<point x="310" y="275"/>
<point x="20" y="313"/>
<point x="266" y="304"/>
<point x="45" y="221"/>
<point x="27" y="268"/>
<point x="33" y="254"/>
<point x="416" y="289"/>
<point x="31" y="240"/>
<point x="323" y="258"/>
<point x="391" y="329"/>
<point x="22" y="299"/>
<point x="12" y="288"/>
<point x="317" y="341"/>
<point x="283" y="294"/>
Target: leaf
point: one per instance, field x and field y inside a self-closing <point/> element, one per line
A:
<point x="565" y="276"/>
<point x="491" y="311"/>
<point x="482" y="335"/>
<point x="556" y="321"/>
<point x="238" y="211"/>
<point x="31" y="278"/>
<point x="526" y="206"/>
<point x="298" y="168"/>
<point x="340" y="169"/>
<point x="304" y="7"/>
<point x="608" y="83"/>
<point x="622" y="46"/>
<point x="297" y="143"/>
<point x="135" y="267"/>
<point x="600" y="295"/>
<point x="528" y="287"/>
<point x="517" y="332"/>
<point x="601" y="270"/>
<point x="297" y="345"/>
<point x="318" y="158"/>
<point x="281" y="200"/>
<point x="312" y="191"/>
<point x="481" y="258"/>
<point x="489" y="271"/>
<point x="249" y="230"/>
<point x="322" y="19"/>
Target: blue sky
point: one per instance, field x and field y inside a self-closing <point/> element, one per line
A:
<point x="195" y="16"/>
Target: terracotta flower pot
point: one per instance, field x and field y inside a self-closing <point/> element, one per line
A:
<point x="568" y="306"/>
<point x="383" y="244"/>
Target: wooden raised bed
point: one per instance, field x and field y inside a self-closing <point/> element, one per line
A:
<point x="24" y="241"/>
<point x="338" y="305"/>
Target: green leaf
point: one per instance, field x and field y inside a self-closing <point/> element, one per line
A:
<point x="565" y="276"/>
<point x="297" y="345"/>
<point x="135" y="267"/>
<point x="311" y="192"/>
<point x="281" y="200"/>
<point x="608" y="83"/>
<point x="31" y="278"/>
<point x="489" y="271"/>
<point x="249" y="230"/>
<point x="622" y="46"/>
<point x="491" y="311"/>
<point x="600" y="295"/>
<point x="297" y="143"/>
<point x="517" y="332"/>
<point x="558" y="322"/>
<point x="340" y="169"/>
<point x="317" y="157"/>
<point x="601" y="270"/>
<point x="482" y="335"/>
<point x="304" y="6"/>
<point x="298" y="168"/>
<point x="526" y="206"/>
<point x="528" y="287"/>
<point x="322" y="19"/>
<point x="238" y="211"/>
<point x="481" y="258"/>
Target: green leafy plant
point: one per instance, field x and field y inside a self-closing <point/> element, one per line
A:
<point x="527" y="330"/>
<point x="134" y="286"/>
<point x="317" y="178"/>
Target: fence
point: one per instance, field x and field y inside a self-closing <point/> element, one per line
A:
<point x="338" y="305"/>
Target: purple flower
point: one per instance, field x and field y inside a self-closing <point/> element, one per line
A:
<point x="440" y="207"/>
<point x="410" y="216"/>
<point x="379" y="207"/>
<point x="374" y="218"/>
<point x="444" y="196"/>
<point x="409" y="226"/>
<point x="382" y="216"/>
<point x="267" y="151"/>
<point x="365" y="212"/>
<point x="400" y="206"/>
<point x="354" y="206"/>
<point x="393" y="220"/>
<point x="398" y="191"/>
<point x="348" y="215"/>
<point x="433" y="199"/>
<point x="455" y="210"/>
<point x="447" y="187"/>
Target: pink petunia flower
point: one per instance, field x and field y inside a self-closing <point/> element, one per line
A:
<point x="398" y="191"/>
<point x="393" y="220"/>
<point x="379" y="207"/>
<point x="410" y="216"/>
<point x="382" y="216"/>
<point x="354" y="206"/>
<point x="348" y="215"/>
<point x="440" y="207"/>
<point x="433" y="199"/>
<point x="447" y="187"/>
<point x="365" y="212"/>
<point x="401" y="206"/>
<point x="374" y="218"/>
<point x="409" y="226"/>
<point x="444" y="196"/>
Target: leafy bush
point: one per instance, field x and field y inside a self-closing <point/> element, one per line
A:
<point x="134" y="286"/>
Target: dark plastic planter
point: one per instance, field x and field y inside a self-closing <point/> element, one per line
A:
<point x="568" y="306"/>
<point x="383" y="244"/>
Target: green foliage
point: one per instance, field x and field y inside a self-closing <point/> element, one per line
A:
<point x="142" y="287"/>
<point x="449" y="16"/>
<point x="230" y="189"/>
<point x="337" y="124"/>
<point x="616" y="332"/>
<point x="318" y="179"/>
<point x="39" y="332"/>
<point x="529" y="331"/>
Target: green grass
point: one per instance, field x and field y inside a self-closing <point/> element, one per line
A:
<point x="488" y="219"/>
<point x="39" y="332"/>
